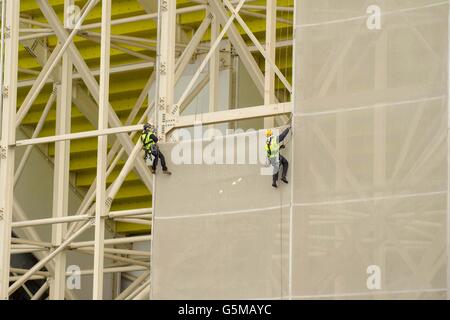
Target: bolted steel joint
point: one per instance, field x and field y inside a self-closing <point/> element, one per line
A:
<point x="3" y="152"/>
<point x="5" y="91"/>
<point x="162" y="103"/>
<point x="164" y="5"/>
<point x="7" y="32"/>
<point x="163" y="68"/>
<point x="108" y="201"/>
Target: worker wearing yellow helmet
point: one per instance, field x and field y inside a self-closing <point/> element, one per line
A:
<point x="275" y="158"/>
<point x="149" y="140"/>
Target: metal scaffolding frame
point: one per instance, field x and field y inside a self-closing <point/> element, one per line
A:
<point x="222" y="18"/>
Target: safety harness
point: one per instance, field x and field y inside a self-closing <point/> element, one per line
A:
<point x="147" y="140"/>
<point x="272" y="147"/>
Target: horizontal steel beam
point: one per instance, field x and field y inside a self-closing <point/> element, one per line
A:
<point x="96" y="72"/>
<point x="234" y="114"/>
<point x="127" y="213"/>
<point x="111" y="241"/>
<point x="143" y="17"/>
<point x="79" y="135"/>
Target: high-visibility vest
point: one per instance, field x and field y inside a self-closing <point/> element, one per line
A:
<point x="147" y="141"/>
<point x="272" y="147"/>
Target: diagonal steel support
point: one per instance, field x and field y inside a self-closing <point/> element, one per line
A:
<point x="52" y="62"/>
<point x="93" y="87"/>
<point x="267" y="57"/>
<point x="227" y="26"/>
<point x="240" y="46"/>
<point x="16" y="285"/>
<point x="35" y="134"/>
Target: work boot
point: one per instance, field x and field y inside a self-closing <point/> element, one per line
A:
<point x="153" y="170"/>
<point x="284" y="180"/>
<point x="274" y="184"/>
<point x="167" y="172"/>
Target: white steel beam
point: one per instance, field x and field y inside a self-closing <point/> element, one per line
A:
<point x="132" y="212"/>
<point x="101" y="206"/>
<point x="142" y="293"/>
<point x="41" y="263"/>
<point x="263" y="16"/>
<point x="116" y="148"/>
<point x="46" y="221"/>
<point x="195" y="92"/>
<point x="93" y="87"/>
<point x="8" y="132"/>
<point x="240" y="46"/>
<point x="214" y="67"/>
<point x="226" y="26"/>
<point x="36" y="132"/>
<point x="96" y="72"/>
<point x="50" y="66"/>
<point x="234" y="114"/>
<point x="114" y="241"/>
<point x="33" y="238"/>
<point x="41" y="291"/>
<point x="83" y="217"/>
<point x="113" y="188"/>
<point x="95" y="39"/>
<point x="115" y="269"/>
<point x="165" y="67"/>
<point x="61" y="180"/>
<point x="192" y="46"/>
<point x="134" y="221"/>
<point x="259" y="46"/>
<point x="260" y="7"/>
<point x="133" y="286"/>
<point x="78" y="135"/>
<point x="271" y="39"/>
<point x="61" y="168"/>
<point x="151" y="16"/>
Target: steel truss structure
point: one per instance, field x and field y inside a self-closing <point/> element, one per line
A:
<point x="224" y="20"/>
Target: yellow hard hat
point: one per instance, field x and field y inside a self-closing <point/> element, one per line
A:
<point x="268" y="133"/>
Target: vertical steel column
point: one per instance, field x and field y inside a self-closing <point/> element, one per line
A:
<point x="8" y="130"/>
<point x="214" y="68"/>
<point x="271" y="41"/>
<point x="61" y="169"/>
<point x="166" y="65"/>
<point x="101" y="207"/>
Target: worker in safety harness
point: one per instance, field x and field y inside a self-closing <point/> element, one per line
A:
<point x="150" y="145"/>
<point x="275" y="158"/>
